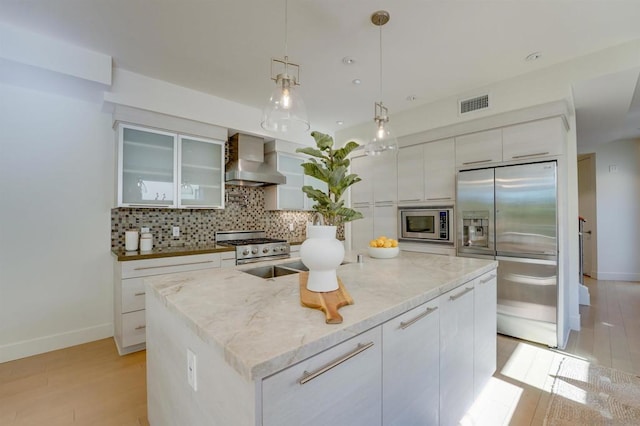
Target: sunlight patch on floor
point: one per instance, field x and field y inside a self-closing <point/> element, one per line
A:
<point x="494" y="406"/>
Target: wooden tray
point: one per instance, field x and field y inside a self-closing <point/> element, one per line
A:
<point x="329" y="302"/>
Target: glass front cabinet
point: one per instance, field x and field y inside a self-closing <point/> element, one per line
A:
<point x="163" y="169"/>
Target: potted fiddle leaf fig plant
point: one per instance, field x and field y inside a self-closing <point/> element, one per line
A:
<point x="321" y="252"/>
<point x="331" y="167"/>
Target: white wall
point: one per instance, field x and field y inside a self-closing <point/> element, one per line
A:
<point x="56" y="187"/>
<point x="618" y="206"/>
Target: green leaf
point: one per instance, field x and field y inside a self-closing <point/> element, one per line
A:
<point x="345" y="150"/>
<point x="323" y="142"/>
<point x="311" y="151"/>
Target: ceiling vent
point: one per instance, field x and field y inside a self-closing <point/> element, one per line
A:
<point x="473" y="104"/>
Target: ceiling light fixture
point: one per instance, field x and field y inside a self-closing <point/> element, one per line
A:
<point x="285" y="110"/>
<point x="356" y="81"/>
<point x="383" y="140"/>
<point x="347" y="60"/>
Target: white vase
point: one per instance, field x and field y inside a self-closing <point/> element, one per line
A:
<point x="322" y="253"/>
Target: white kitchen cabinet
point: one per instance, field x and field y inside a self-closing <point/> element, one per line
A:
<point x="385" y="221"/>
<point x="340" y="386"/>
<point x="478" y="149"/>
<point x="410" y="382"/>
<point x="362" y="192"/>
<point x="456" y="353"/>
<point x="289" y="196"/>
<point x="426" y="173"/>
<point x="362" y="229"/>
<point x="164" y="169"/>
<point x="439" y="171"/>
<point x="535" y="139"/>
<point x="129" y="293"/>
<point x="485" y="330"/>
<point x="411" y="174"/>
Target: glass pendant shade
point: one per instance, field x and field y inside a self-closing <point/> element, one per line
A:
<point x="285" y="111"/>
<point x="383" y="140"/>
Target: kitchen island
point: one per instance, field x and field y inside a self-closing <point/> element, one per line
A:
<point x="224" y="347"/>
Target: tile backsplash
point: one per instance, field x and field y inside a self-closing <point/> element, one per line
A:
<point x="244" y="211"/>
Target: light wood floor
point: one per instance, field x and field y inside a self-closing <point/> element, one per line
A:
<point x="92" y="385"/>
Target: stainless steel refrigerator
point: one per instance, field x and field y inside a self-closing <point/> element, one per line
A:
<point x="509" y="213"/>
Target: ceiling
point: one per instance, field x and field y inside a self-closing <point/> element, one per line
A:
<point x="431" y="49"/>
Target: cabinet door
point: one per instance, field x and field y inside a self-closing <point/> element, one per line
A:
<point x="411" y="176"/>
<point x="439" y="170"/>
<point x="340" y="386"/>
<point x="290" y="195"/>
<point x="384" y="177"/>
<point x="485" y="330"/>
<point x="146" y="167"/>
<point x="362" y="192"/>
<point x="479" y="148"/>
<point x="456" y="354"/>
<point x="362" y="229"/>
<point x="410" y="383"/>
<point x="535" y="139"/>
<point x="385" y="220"/>
<point x="201" y="173"/>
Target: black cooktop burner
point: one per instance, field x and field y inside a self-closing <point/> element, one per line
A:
<point x="251" y="241"/>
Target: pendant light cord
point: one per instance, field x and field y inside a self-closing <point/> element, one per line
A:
<point x="286" y="24"/>
<point x="380" y="27"/>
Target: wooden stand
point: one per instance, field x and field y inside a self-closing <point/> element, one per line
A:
<point x="328" y="302"/>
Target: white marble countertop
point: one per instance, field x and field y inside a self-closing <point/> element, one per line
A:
<point x="260" y="326"/>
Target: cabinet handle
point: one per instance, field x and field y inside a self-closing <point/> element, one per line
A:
<point x="404" y="325"/>
<point x="139" y="294"/>
<point x="530" y="155"/>
<point x="307" y="377"/>
<point x="413" y="199"/>
<point x="141" y="327"/>
<point x="168" y="266"/>
<point x="489" y="278"/>
<point x="383" y="202"/>
<point x="439" y="198"/>
<point x="476" y="162"/>
<point x="462" y="293"/>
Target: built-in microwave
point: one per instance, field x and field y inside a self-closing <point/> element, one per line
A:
<point x="425" y="224"/>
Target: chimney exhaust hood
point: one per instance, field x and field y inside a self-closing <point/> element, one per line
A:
<point x="246" y="165"/>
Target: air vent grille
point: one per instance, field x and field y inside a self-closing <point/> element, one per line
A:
<point x="474" y="104"/>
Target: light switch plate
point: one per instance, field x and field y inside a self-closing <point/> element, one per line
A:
<point x="176" y="231"/>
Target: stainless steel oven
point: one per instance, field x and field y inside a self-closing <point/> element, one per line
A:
<point x="426" y="224"/>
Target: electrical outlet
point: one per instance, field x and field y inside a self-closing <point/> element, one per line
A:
<point x="291" y="226"/>
<point x="144" y="229"/>
<point x="176" y="231"/>
<point x="191" y="370"/>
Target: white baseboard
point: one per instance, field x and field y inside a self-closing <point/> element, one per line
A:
<point x="617" y="276"/>
<point x="574" y="323"/>
<point x="584" y="298"/>
<point x="53" y="342"/>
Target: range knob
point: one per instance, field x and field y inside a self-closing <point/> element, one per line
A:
<point x="265" y="250"/>
<point x="245" y="252"/>
<point x="254" y="250"/>
<point x="283" y="248"/>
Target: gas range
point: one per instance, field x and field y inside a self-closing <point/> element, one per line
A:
<point x="253" y="246"/>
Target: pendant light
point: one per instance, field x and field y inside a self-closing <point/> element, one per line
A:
<point x="285" y="111"/>
<point x="383" y="141"/>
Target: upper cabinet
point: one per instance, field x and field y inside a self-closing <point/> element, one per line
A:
<point x="534" y="139"/>
<point x="289" y="196"/>
<point x="477" y="149"/>
<point x="379" y="180"/>
<point x="531" y="140"/>
<point x="164" y="169"/>
<point x="426" y="172"/>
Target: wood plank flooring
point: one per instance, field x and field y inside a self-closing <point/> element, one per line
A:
<point x="91" y="384"/>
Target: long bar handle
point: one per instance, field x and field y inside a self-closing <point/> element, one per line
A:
<point x="141" y="327"/>
<point x="462" y="293"/>
<point x="142" y="293"/>
<point x="307" y="377"/>
<point x="406" y="324"/>
<point x="489" y="278"/>
<point x="439" y="198"/>
<point x="530" y="155"/>
<point x="411" y="199"/>
<point x="177" y="264"/>
<point x="466" y="163"/>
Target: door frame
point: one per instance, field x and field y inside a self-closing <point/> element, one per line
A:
<point x="590" y="179"/>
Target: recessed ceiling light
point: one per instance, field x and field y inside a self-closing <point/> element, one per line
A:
<point x="339" y="122"/>
<point x="356" y="81"/>
<point x="533" y="56"/>
<point x="411" y="98"/>
<point x="347" y="60"/>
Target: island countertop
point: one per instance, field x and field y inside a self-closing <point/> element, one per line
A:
<point x="260" y="327"/>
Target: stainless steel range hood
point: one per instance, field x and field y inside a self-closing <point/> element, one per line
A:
<point x="246" y="165"/>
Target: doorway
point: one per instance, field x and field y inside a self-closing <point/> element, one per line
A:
<point x="587" y="210"/>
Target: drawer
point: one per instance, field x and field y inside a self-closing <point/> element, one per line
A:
<point x="132" y="294"/>
<point x="133" y="328"/>
<point x="169" y="265"/>
<point x="227" y="258"/>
